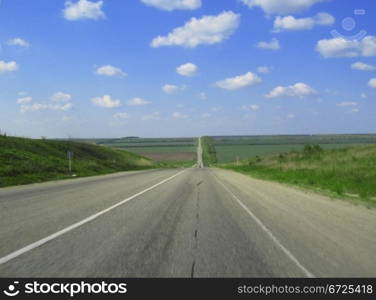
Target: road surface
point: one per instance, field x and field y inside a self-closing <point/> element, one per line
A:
<point x="200" y="163"/>
<point x="196" y="222"/>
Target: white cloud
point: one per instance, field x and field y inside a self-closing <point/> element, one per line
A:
<point x="8" y="66"/>
<point x="62" y="107"/>
<point x="340" y="47"/>
<point x="33" y="107"/>
<point x="187" y="70"/>
<point x="46" y="106"/>
<point x="290" y="23"/>
<point x="170" y="5"/>
<point x="106" y="101"/>
<point x="137" y="102"/>
<point x="207" y="30"/>
<point x="170" y="88"/>
<point x="109" y="70"/>
<point x="121" y="115"/>
<point x="354" y="111"/>
<point x="58" y="102"/>
<point x="362" y="66"/>
<point x="263" y="70"/>
<point x="24" y="100"/>
<point x="179" y="115"/>
<point x="272" y="45"/>
<point x="280" y="7"/>
<point x="346" y="104"/>
<point x="154" y="116"/>
<point x="18" y="42"/>
<point x="364" y="96"/>
<point x="372" y="83"/>
<point x="239" y="82"/>
<point x="60" y="97"/>
<point x="252" y="107"/>
<point x="66" y="105"/>
<point x="216" y="109"/>
<point x="203" y="96"/>
<point x="83" y="9"/>
<point x="299" y="90"/>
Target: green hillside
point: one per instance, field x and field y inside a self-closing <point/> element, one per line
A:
<point x="349" y="171"/>
<point x="24" y="161"/>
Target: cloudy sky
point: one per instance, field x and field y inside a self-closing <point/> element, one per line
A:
<point x="155" y="68"/>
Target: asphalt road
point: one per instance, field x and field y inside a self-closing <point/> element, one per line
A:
<point x="200" y="163"/>
<point x="196" y="222"/>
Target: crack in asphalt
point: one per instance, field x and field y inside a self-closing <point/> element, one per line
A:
<point x="193" y="269"/>
<point x="196" y="230"/>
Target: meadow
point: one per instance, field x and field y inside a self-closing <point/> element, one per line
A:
<point x="24" y="161"/>
<point x="161" y="150"/>
<point x="235" y="148"/>
<point x="296" y="139"/>
<point x="229" y="153"/>
<point x="348" y="171"/>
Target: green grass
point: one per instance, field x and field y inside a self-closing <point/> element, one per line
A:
<point x="24" y="161"/>
<point x="175" y="164"/>
<point x="209" y="154"/>
<point x="145" y="142"/>
<point x="229" y="153"/>
<point x="349" y="171"/>
<point x="148" y="145"/>
<point x="163" y="150"/>
<point x="160" y="149"/>
<point x="297" y="139"/>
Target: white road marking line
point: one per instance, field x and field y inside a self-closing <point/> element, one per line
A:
<point x="268" y="232"/>
<point x="53" y="236"/>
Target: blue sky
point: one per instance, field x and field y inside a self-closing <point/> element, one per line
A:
<point x="155" y="68"/>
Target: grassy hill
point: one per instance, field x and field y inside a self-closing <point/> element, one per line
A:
<point x="25" y="161"/>
<point x="349" y="171"/>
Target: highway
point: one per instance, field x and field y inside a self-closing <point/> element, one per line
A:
<point x="200" y="163"/>
<point x="194" y="222"/>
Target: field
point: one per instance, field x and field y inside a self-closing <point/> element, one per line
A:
<point x="170" y="156"/>
<point x="24" y="161"/>
<point x="297" y="139"/>
<point x="229" y="153"/>
<point x="235" y="148"/>
<point x="349" y="171"/>
<point x="161" y="150"/>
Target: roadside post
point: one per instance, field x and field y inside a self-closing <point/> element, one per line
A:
<point x="70" y="157"/>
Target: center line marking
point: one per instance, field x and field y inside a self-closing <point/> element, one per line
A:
<point x="53" y="236"/>
<point x="268" y="232"/>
